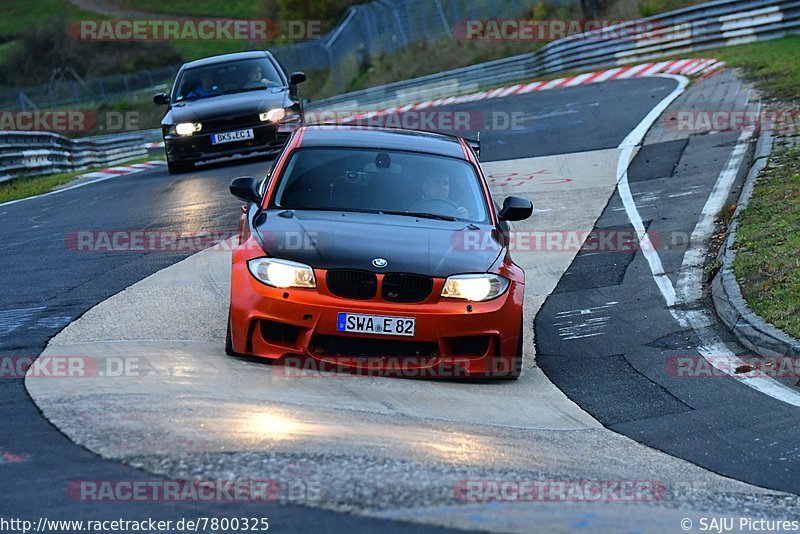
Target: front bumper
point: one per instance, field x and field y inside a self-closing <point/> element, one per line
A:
<point x="453" y="338"/>
<point x="267" y="137"/>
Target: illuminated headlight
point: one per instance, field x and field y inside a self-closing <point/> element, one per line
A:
<point x="282" y="273"/>
<point x="273" y="115"/>
<point x="188" y="128"/>
<point x="474" y="287"/>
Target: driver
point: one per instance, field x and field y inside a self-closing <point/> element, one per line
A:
<point x="254" y="78"/>
<point x="437" y="185"/>
<point x="206" y="87"/>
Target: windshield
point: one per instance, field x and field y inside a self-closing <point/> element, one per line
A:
<point x="226" y="78"/>
<point x="381" y="181"/>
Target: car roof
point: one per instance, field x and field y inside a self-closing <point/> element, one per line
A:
<point x="225" y="58"/>
<point x="354" y="136"/>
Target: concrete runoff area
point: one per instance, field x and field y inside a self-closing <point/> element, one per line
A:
<point x="375" y="446"/>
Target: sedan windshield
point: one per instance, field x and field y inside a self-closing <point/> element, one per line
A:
<point x="399" y="183"/>
<point x="226" y="78"/>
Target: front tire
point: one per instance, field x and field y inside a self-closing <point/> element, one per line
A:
<point x="229" y="340"/>
<point x="516" y="366"/>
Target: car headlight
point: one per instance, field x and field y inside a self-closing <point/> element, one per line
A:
<point x="187" y="128"/>
<point x="282" y="273"/>
<point x="273" y="115"/>
<point x="474" y="287"/>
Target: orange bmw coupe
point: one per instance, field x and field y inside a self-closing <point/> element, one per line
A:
<point x="377" y="249"/>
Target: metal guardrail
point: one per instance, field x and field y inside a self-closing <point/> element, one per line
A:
<point x="383" y="27"/>
<point x="711" y="25"/>
<point x="89" y="92"/>
<point x="35" y="153"/>
<point x="367" y="30"/>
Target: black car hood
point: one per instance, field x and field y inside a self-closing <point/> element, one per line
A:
<point x="347" y="240"/>
<point x="228" y="105"/>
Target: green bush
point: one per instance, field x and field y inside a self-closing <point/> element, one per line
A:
<point x="648" y="8"/>
<point x="45" y="52"/>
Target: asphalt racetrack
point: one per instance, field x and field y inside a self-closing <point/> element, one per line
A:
<point x="597" y="399"/>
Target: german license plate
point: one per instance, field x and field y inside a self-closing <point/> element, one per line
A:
<point x="229" y="137"/>
<point x="375" y="324"/>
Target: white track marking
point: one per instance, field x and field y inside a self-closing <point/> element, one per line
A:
<point x="585" y="311"/>
<point x="689" y="277"/>
<point x="627" y="148"/>
<point x="11" y="320"/>
<point x="586" y="326"/>
<point x="712" y="348"/>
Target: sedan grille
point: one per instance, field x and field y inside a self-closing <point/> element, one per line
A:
<point x="360" y="285"/>
<point x="227" y="123"/>
<point x="406" y="287"/>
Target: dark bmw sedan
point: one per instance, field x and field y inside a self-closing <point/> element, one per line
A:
<point x="231" y="104"/>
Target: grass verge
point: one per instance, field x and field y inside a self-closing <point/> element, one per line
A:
<point x="28" y="186"/>
<point x="430" y="58"/>
<point x="767" y="263"/>
<point x="773" y="65"/>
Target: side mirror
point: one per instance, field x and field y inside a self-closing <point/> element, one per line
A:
<point x="297" y="77"/>
<point x="516" y="209"/>
<point x="246" y="188"/>
<point x="161" y="99"/>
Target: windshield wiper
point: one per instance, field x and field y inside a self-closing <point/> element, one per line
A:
<point x="420" y="214"/>
<point x="244" y="90"/>
<point x="199" y="97"/>
<point x="347" y="210"/>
